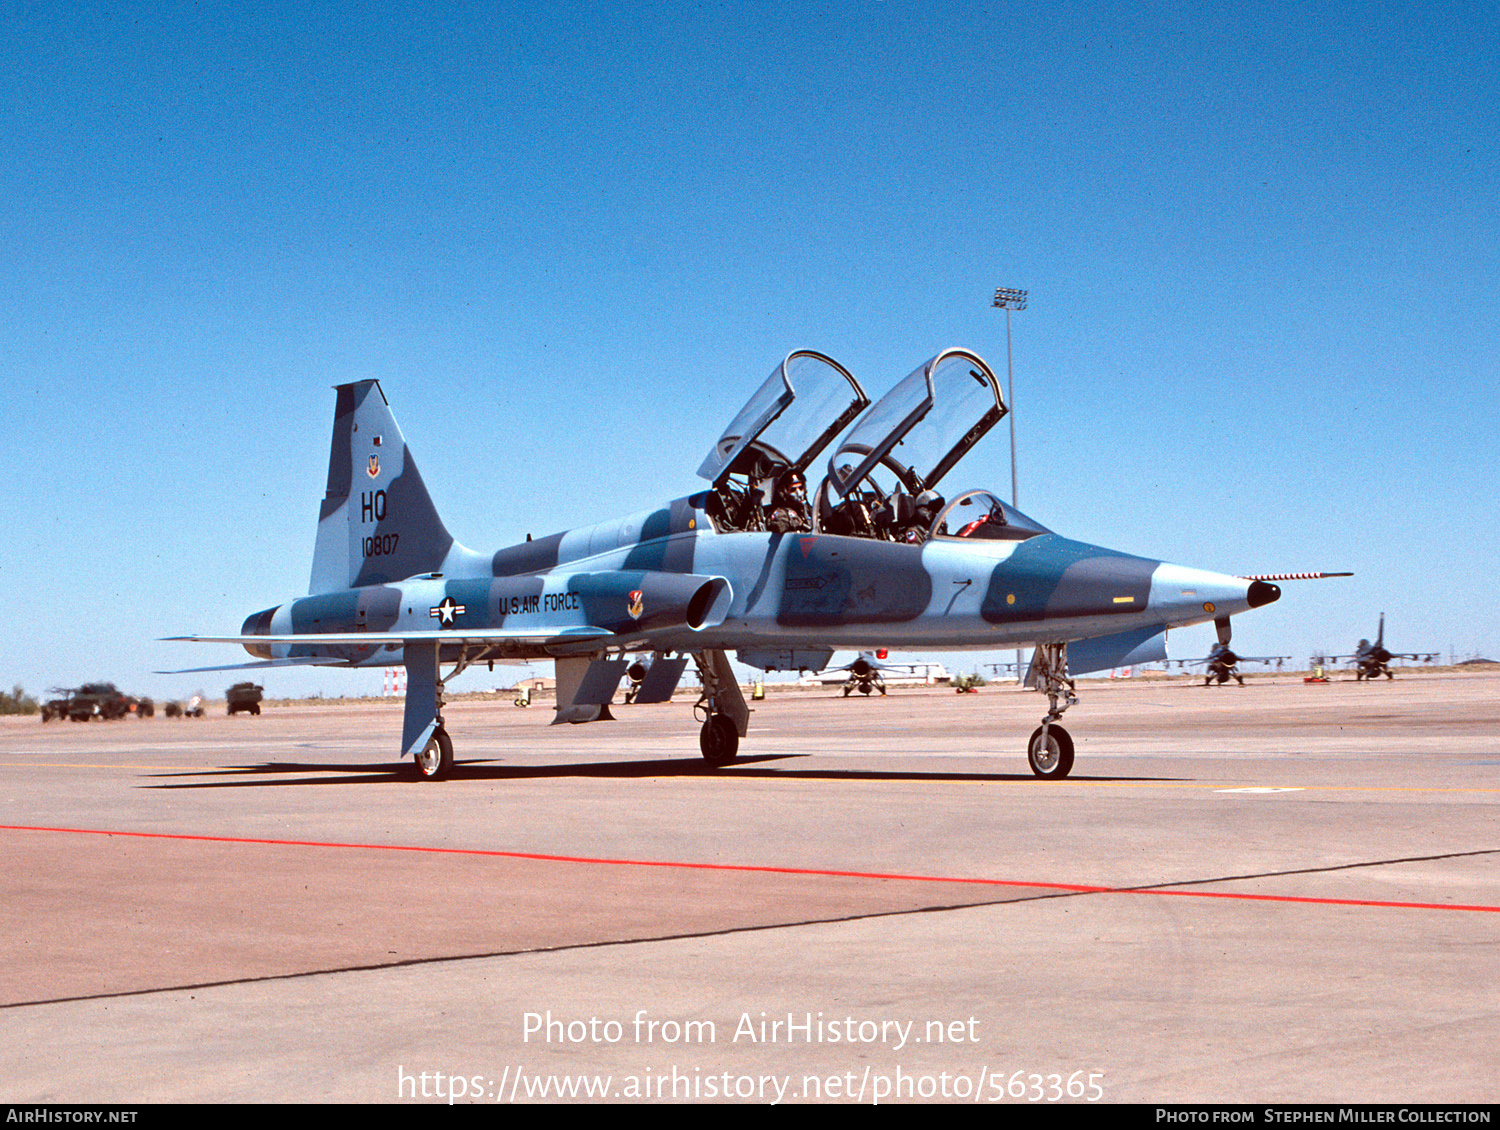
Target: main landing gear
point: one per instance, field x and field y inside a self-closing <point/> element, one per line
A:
<point x="1050" y="750"/>
<point x="434" y="761"/>
<point x="722" y="708"/>
<point x="719" y="740"/>
<point x="423" y="734"/>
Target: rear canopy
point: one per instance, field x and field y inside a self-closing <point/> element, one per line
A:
<point x="923" y="426"/>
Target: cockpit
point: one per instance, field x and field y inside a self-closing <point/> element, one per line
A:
<point x="980" y="516"/>
<point x="882" y="480"/>
<point x="758" y="466"/>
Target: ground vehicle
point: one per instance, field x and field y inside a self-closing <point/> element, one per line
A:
<point x="244" y="696"/>
<point x="95" y="700"/>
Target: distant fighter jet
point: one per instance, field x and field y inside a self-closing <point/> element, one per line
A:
<point x="1221" y="664"/>
<point x="880" y="559"/>
<point x="869" y="671"/>
<point x="864" y="675"/>
<point x="1371" y="660"/>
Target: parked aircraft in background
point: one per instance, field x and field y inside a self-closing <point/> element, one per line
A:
<point x="1221" y="664"/>
<point x="874" y="556"/>
<point x="869" y="671"/>
<point x="1371" y="660"/>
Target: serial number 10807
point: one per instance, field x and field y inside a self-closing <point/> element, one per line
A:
<point x="381" y="545"/>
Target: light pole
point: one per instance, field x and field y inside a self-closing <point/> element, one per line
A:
<point x="1008" y="299"/>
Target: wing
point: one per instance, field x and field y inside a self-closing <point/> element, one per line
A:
<point x="549" y="644"/>
<point x="254" y="665"/>
<point x="559" y="637"/>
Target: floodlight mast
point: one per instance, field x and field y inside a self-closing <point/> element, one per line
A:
<point x="1008" y="299"/>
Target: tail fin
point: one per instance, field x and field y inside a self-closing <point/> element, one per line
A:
<point x="377" y="522"/>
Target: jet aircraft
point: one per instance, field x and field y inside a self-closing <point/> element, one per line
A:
<point x="869" y="669"/>
<point x="865" y="674"/>
<point x="1371" y="660"/>
<point x="1222" y="664"/>
<point x="879" y="557"/>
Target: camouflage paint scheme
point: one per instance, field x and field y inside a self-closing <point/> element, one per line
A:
<point x="391" y="586"/>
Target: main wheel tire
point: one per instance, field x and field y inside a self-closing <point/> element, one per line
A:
<point x="719" y="739"/>
<point x="434" y="761"/>
<point x="1054" y="760"/>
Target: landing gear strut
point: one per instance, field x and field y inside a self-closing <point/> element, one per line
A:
<point x="423" y="734"/>
<point x="721" y="706"/>
<point x="1050" y="751"/>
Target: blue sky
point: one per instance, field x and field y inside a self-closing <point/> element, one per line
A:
<point x="570" y="239"/>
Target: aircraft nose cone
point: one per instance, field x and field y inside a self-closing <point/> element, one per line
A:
<point x="1262" y="592"/>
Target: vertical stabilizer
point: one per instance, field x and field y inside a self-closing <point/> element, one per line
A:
<point x="377" y="523"/>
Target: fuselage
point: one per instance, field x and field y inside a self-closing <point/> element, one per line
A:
<point x="668" y="580"/>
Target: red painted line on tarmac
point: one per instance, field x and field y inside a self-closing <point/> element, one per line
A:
<point x="1072" y="888"/>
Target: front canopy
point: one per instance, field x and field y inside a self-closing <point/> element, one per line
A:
<point x="791" y="418"/>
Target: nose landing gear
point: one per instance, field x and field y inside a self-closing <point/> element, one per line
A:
<point x="1050" y="750"/>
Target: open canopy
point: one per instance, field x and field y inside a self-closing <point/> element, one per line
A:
<point x="922" y="427"/>
<point x="791" y="418"/>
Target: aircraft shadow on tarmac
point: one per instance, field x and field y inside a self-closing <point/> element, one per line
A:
<point x="384" y="772"/>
